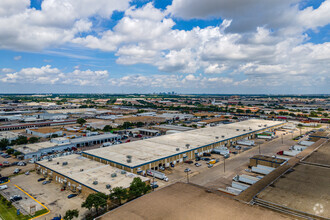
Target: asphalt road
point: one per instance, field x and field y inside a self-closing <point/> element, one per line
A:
<point x="216" y="177"/>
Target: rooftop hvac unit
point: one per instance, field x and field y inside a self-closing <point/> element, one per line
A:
<point x="81" y="170"/>
<point x="65" y="163"/>
<point x="129" y="160"/>
<point x="58" y="163"/>
<point x="129" y="156"/>
<point x="250" y="129"/>
<point x="113" y="174"/>
<point x="187" y="146"/>
<point x="123" y="172"/>
<point x="265" y="125"/>
<point x="237" y="129"/>
<point x="223" y="136"/>
<point x="108" y="186"/>
<point x="95" y="182"/>
<point x="244" y="130"/>
<point x="177" y="149"/>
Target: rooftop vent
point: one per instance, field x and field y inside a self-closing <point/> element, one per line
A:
<point x="65" y="163"/>
<point x="113" y="174"/>
<point x="177" y="149"/>
<point x="95" y="182"/>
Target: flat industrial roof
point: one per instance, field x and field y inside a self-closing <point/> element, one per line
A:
<point x="44" y="130"/>
<point x="153" y="149"/>
<point x="85" y="171"/>
<point x="8" y="135"/>
<point x="30" y="148"/>
<point x="92" y="138"/>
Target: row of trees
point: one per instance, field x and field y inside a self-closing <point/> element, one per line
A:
<point x="20" y="140"/>
<point x="117" y="195"/>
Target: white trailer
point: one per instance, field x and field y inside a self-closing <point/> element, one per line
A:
<point x="298" y="147"/>
<point x="265" y="167"/>
<point x="282" y="157"/>
<point x="306" y="143"/>
<point x="291" y="153"/>
<point x="239" y="185"/>
<point x="264" y="137"/>
<point x="246" y="179"/>
<point x="157" y="174"/>
<point x="260" y="170"/>
<point x="221" y="150"/>
<point x="245" y="142"/>
<point x="233" y="190"/>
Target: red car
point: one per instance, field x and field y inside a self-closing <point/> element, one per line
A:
<point x="127" y="141"/>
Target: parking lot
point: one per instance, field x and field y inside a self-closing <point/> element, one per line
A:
<point x="49" y="195"/>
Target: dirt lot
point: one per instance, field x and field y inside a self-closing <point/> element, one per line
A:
<point x="321" y="156"/>
<point x="49" y="195"/>
<point x="185" y="201"/>
<point x="306" y="189"/>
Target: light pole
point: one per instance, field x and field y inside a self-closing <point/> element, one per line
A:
<point x="282" y="137"/>
<point x="259" y="143"/>
<point x="224" y="164"/>
<point x="187" y="172"/>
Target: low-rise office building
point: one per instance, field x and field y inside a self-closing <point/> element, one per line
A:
<point x="82" y="175"/>
<point x="168" y="150"/>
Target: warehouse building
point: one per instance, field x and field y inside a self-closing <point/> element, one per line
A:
<point x="163" y="151"/>
<point x="44" y="132"/>
<point x="82" y="175"/>
<point x="36" y="150"/>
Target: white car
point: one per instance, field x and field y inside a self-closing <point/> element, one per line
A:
<point x="3" y="187"/>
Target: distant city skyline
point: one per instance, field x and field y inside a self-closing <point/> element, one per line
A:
<point x="185" y="46"/>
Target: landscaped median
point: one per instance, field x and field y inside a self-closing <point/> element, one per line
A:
<point x="9" y="212"/>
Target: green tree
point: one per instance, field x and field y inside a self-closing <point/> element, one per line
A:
<point x="33" y="140"/>
<point x="95" y="200"/>
<point x="325" y="114"/>
<point x="107" y="128"/>
<point x="20" y="140"/>
<point x="3" y="143"/>
<point x="70" y="214"/>
<point x="127" y="124"/>
<point x="81" y="121"/>
<point x="16" y="153"/>
<point x="138" y="188"/>
<point x="118" y="194"/>
<point x="313" y="114"/>
<point x="10" y="151"/>
<point x="140" y="124"/>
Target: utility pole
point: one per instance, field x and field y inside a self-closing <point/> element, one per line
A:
<point x="224" y="164"/>
<point x="282" y="137"/>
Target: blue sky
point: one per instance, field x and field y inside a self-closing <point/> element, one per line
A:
<point x="187" y="46"/>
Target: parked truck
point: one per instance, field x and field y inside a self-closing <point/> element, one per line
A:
<point x="246" y="179"/>
<point x="264" y="137"/>
<point x="298" y="147"/>
<point x="157" y="174"/>
<point x="221" y="150"/>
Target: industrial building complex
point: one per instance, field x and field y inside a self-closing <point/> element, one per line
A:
<point x="168" y="150"/>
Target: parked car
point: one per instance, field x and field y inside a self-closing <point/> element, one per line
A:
<point x="3" y="187"/>
<point x="72" y="195"/>
<point x="21" y="163"/>
<point x="41" y="179"/>
<point x="187" y="170"/>
<point x="154" y="185"/>
<point x="15" y="198"/>
<point x="45" y="182"/>
<point x="198" y="164"/>
<point x="210" y="165"/>
<point x="27" y="173"/>
<point x="206" y="154"/>
<point x="189" y="161"/>
<point x="161" y="168"/>
<point x="16" y="171"/>
<point x="14" y="164"/>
